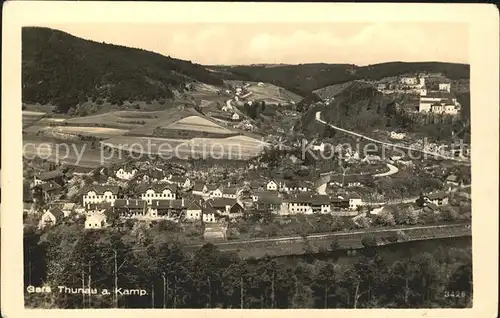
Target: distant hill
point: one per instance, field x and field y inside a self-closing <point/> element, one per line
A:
<point x="64" y="70"/>
<point x="305" y="78"/>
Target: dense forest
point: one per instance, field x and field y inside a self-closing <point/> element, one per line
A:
<point x="305" y="78"/>
<point x="64" y="70"/>
<point x="150" y="259"/>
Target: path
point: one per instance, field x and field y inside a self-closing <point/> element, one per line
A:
<point x="333" y="234"/>
<point x="392" y="170"/>
<point x="318" y="118"/>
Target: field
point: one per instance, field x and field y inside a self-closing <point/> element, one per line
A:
<point x="29" y="117"/>
<point x="269" y="93"/>
<point x="183" y="133"/>
<point x="84" y="131"/>
<point x="237" y="148"/>
<point x="198" y="123"/>
<point x="79" y="154"/>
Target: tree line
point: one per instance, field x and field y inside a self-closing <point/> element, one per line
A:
<point x="149" y="258"/>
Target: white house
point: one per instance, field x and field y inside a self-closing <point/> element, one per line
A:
<point x="208" y="215"/>
<point x="422" y="82"/>
<point x="125" y="173"/>
<point x="354" y="201"/>
<point x="99" y="194"/>
<point x="200" y="189"/>
<point x="159" y="192"/>
<point x="408" y="80"/>
<point x="215" y="193"/>
<point x="230" y="193"/>
<point x="450" y="109"/>
<point x="272" y="186"/>
<point x="445" y="87"/>
<point x="182" y="182"/>
<point x="398" y="136"/>
<point x="235" y="116"/>
<point x="95" y="221"/>
<point x="193" y="212"/>
<point x="50" y="217"/>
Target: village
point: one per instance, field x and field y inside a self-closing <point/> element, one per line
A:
<point x="150" y="193"/>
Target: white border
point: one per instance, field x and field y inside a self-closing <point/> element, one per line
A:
<point x="484" y="57"/>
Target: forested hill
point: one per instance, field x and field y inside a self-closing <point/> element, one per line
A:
<point x="304" y="78"/>
<point x="64" y="70"/>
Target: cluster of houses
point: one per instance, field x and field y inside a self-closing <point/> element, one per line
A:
<point x="178" y="199"/>
<point x="439" y="102"/>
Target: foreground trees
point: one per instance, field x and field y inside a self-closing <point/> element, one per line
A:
<point x="208" y="278"/>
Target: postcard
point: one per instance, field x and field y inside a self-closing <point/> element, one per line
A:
<point x="249" y="158"/>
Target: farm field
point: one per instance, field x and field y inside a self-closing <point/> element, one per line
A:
<point x="86" y="131"/>
<point x="30" y="117"/>
<point x="270" y="93"/>
<point x="54" y="151"/>
<point x="198" y="123"/>
<point x="116" y="119"/>
<point x="237" y="148"/>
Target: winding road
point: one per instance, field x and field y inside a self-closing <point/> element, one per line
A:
<point x="434" y="154"/>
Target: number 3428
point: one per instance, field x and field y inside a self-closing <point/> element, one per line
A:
<point x="455" y="294"/>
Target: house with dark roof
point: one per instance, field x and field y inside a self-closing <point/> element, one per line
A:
<point x="452" y="180"/>
<point x="167" y="208"/>
<point x="100" y="193"/>
<point x="223" y="205"/>
<point x="209" y="214"/>
<point x="438" y="198"/>
<point x="321" y="204"/>
<point x="158" y="191"/>
<point x="200" y="189"/>
<point x="294" y="186"/>
<point x="229" y="192"/>
<point x="339" y="202"/>
<point x="56" y="176"/>
<point x="182" y="182"/>
<point x="47" y="191"/>
<point x="130" y="208"/>
<point x="157" y="176"/>
<point x="300" y="203"/>
<point x="214" y="191"/>
<point x="194" y="211"/>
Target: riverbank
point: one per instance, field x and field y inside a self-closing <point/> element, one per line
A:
<point x="346" y="240"/>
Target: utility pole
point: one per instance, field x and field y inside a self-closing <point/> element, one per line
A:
<point x="115" y="296"/>
<point x="153" y="296"/>
<point x="89" y="285"/>
<point x="241" y="292"/>
<point x="83" y="289"/>
<point x="164" y="290"/>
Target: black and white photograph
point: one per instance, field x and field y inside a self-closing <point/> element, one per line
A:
<point x="247" y="165"/>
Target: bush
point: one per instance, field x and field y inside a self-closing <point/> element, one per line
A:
<point x="369" y="240"/>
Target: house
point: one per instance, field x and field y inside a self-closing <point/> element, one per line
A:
<point x="271" y="199"/>
<point x="157" y="176"/>
<point x="438" y="198"/>
<point x="222" y="205"/>
<point x="181" y="182"/>
<point x="95" y="221"/>
<point x="100" y="193"/>
<point x="258" y="184"/>
<point x="193" y="211"/>
<point x="445" y="87"/>
<point x="408" y="80"/>
<point x="321" y="204"/>
<point x="214" y="191"/>
<point x="272" y="185"/>
<point x="209" y="214"/>
<point x="68" y="207"/>
<point x="397" y="136"/>
<point x="47" y="191"/>
<point x="300" y="204"/>
<point x="159" y="191"/>
<point x="236" y="210"/>
<point x="349" y="180"/>
<point x="354" y="201"/>
<point x="200" y="189"/>
<point x="450" y="109"/>
<point x="230" y="193"/>
<point x="130" y="208"/>
<point x="235" y="117"/>
<point x="167" y="208"/>
<point x="339" y="202"/>
<point x="215" y="232"/>
<point x="56" y="176"/>
<point x="50" y="217"/>
<point x="294" y="186"/>
<point x="126" y="173"/>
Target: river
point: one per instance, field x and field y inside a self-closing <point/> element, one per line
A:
<point x="391" y="253"/>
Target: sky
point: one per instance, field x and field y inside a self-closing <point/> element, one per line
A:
<point x="252" y="43"/>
